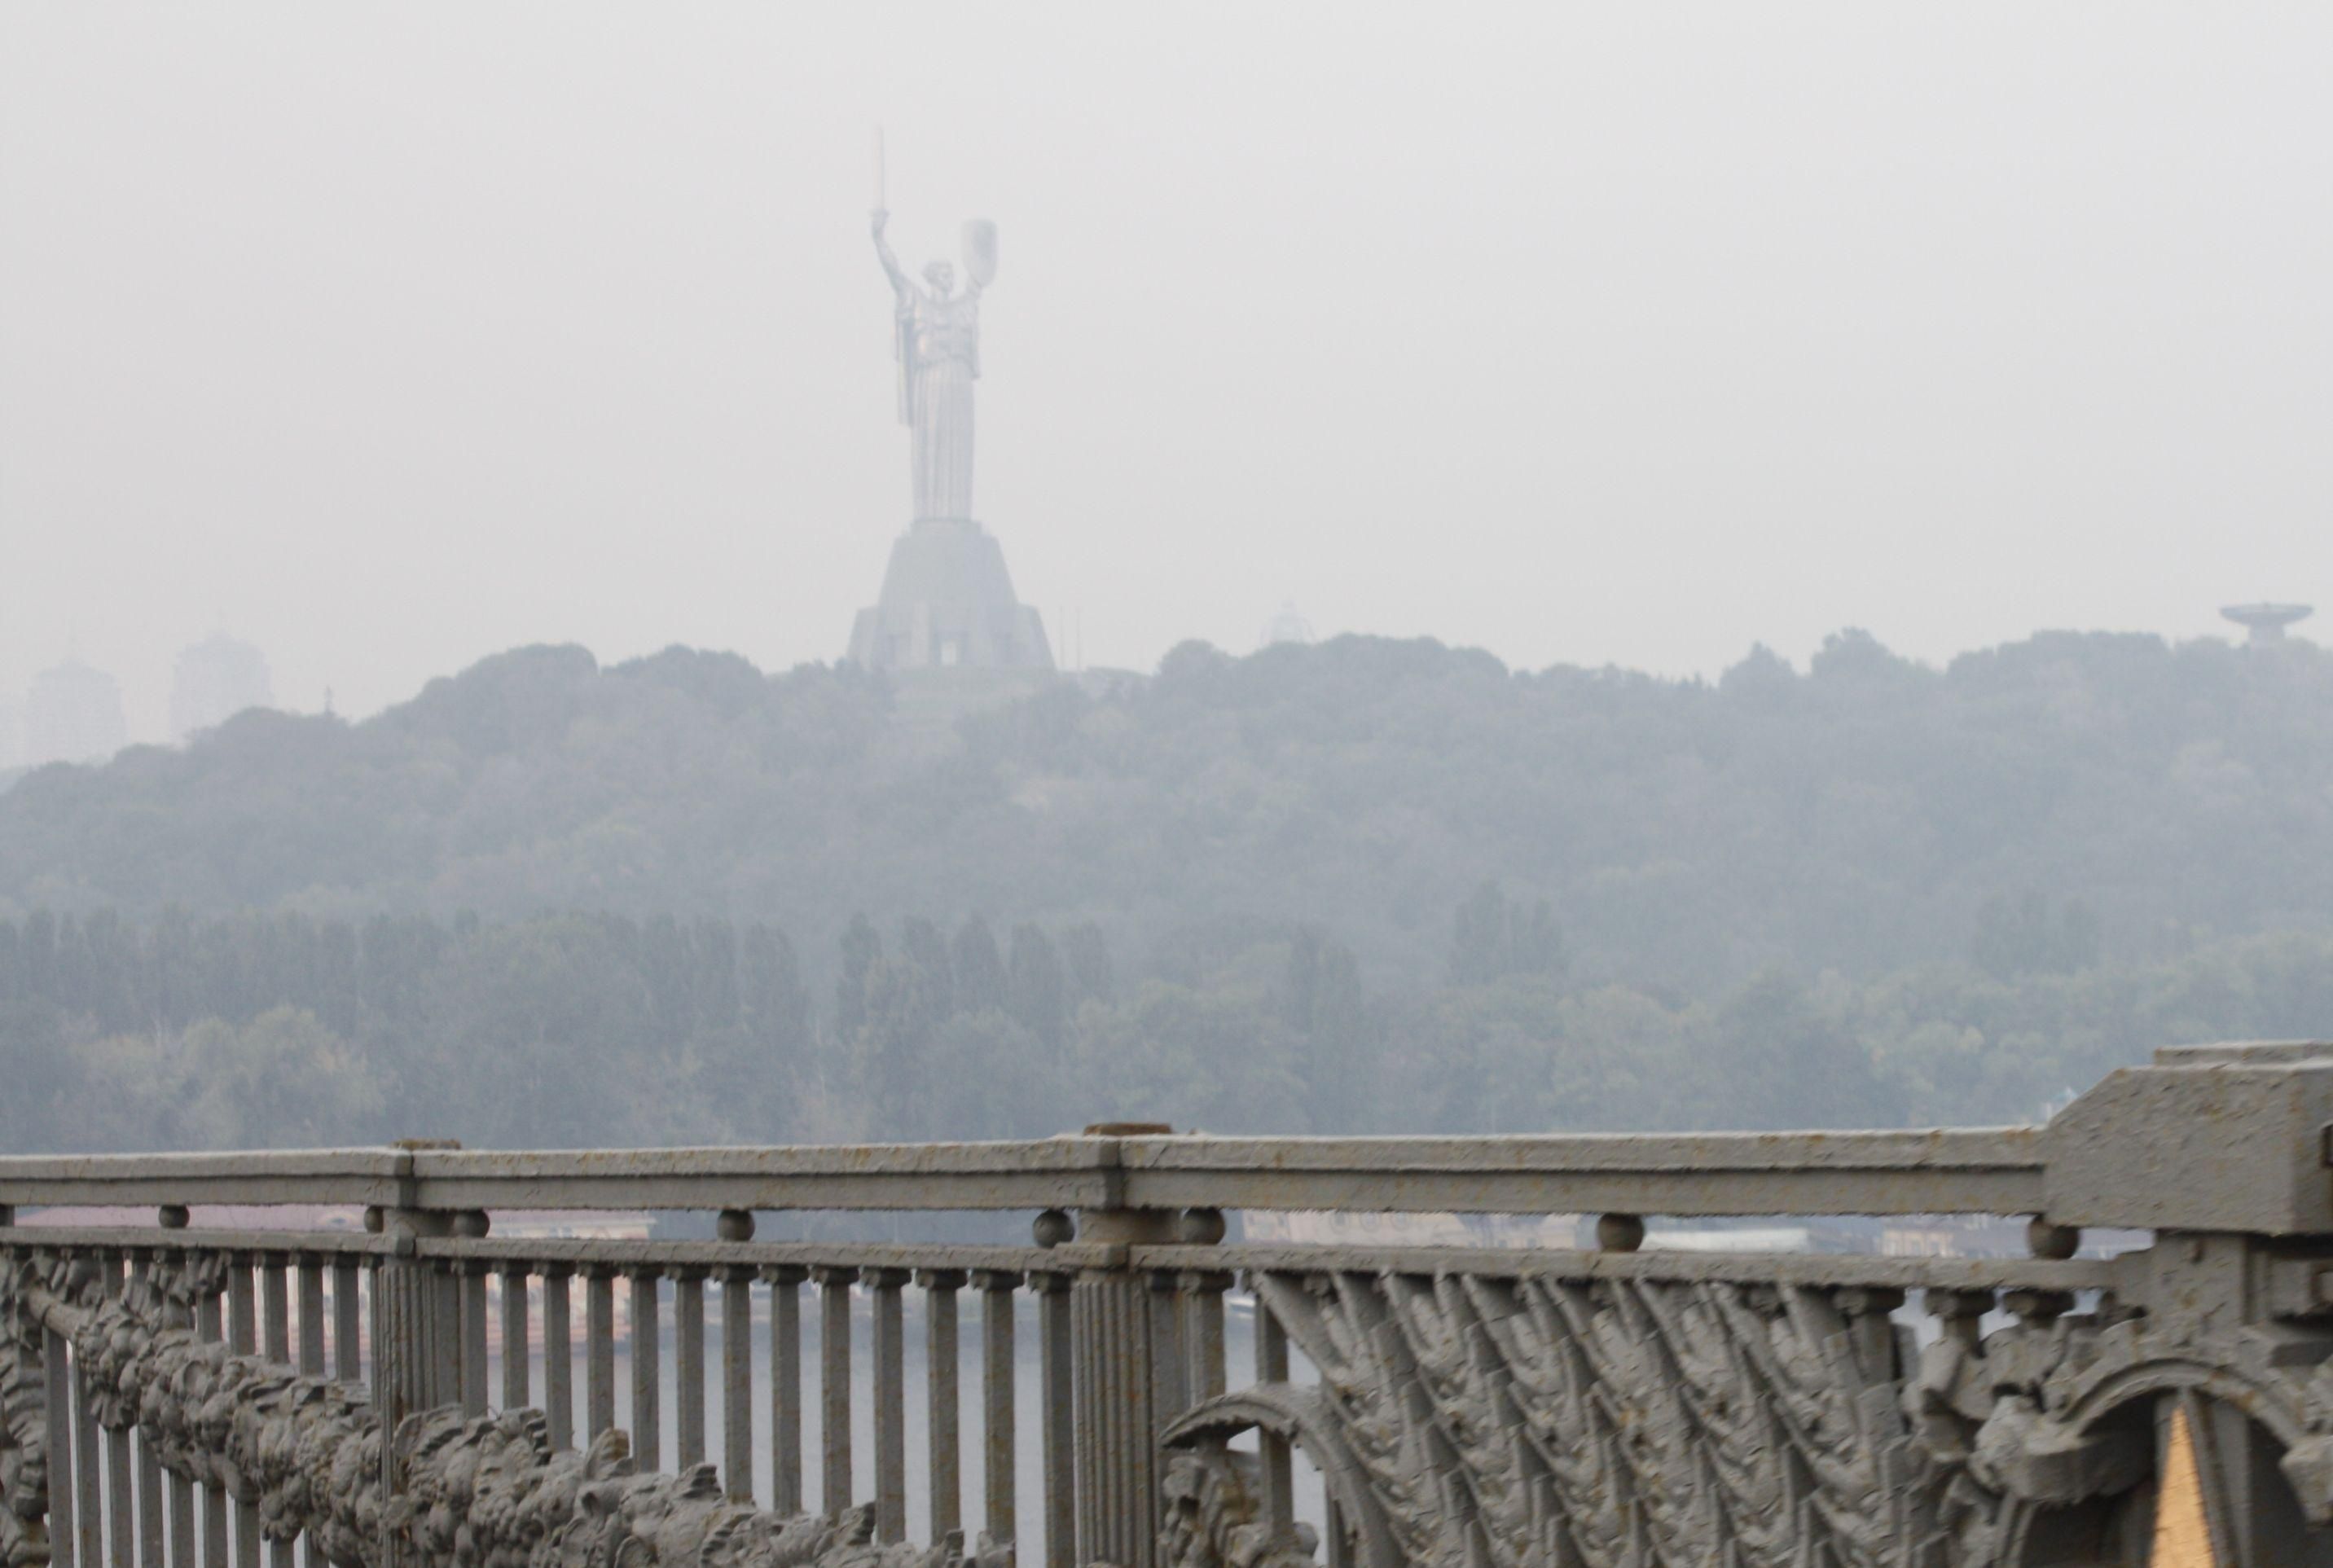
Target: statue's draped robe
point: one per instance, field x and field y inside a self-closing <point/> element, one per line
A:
<point x="939" y="359"/>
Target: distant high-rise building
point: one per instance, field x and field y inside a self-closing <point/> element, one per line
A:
<point x="216" y="679"/>
<point x="73" y="714"/>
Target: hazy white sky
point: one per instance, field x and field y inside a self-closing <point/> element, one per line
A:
<point x="386" y="336"/>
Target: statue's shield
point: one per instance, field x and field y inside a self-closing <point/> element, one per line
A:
<point x="980" y="251"/>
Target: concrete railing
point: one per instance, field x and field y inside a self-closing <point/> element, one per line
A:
<point x="1150" y="1382"/>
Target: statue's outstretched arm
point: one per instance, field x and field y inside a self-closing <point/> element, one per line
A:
<point x="900" y="283"/>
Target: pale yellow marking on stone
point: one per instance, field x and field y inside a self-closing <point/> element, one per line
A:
<point x="2182" y="1539"/>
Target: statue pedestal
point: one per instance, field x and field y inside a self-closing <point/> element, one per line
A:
<point x="948" y="601"/>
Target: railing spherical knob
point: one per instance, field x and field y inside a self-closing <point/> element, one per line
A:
<point x="2054" y="1242"/>
<point x="735" y="1225"/>
<point x="1053" y="1228"/>
<point x="1199" y="1226"/>
<point x="1620" y="1232"/>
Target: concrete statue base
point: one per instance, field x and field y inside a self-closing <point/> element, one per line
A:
<point x="948" y="601"/>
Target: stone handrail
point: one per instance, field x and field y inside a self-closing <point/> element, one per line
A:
<point x="1943" y="1171"/>
<point x="428" y="1389"/>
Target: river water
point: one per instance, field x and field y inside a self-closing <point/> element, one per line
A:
<point x="1027" y="1397"/>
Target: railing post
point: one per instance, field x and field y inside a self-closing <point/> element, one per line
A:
<point x="415" y="1329"/>
<point x="1122" y="1334"/>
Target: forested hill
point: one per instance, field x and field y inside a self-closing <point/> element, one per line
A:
<point x="2034" y="806"/>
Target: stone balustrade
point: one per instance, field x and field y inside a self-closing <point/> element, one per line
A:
<point x="431" y="1388"/>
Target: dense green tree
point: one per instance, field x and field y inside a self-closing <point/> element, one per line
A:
<point x="1033" y="986"/>
<point x="1085" y="952"/>
<point x="551" y="1031"/>
<point x="1494" y="939"/>
<point x="775" y="1010"/>
<point x="862" y="949"/>
<point x="1857" y="817"/>
<point x="1788" y="1061"/>
<point x="981" y="984"/>
<point x="893" y="1076"/>
<point x="921" y="942"/>
<point x="283" y="1077"/>
<point x="1875" y="891"/>
<point x="2023" y="936"/>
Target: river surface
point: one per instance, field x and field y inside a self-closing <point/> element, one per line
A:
<point x="1027" y="1397"/>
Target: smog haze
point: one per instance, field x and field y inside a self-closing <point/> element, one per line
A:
<point x="388" y="338"/>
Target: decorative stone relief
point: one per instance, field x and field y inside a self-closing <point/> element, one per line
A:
<point x="1214" y="1516"/>
<point x="2021" y="1422"/>
<point x="1644" y="1424"/>
<point x="481" y="1492"/>
<point x="24" y="1436"/>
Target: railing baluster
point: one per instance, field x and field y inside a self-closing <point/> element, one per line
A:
<point x="688" y="1349"/>
<point x="647" y="1389"/>
<point x="598" y="1351"/>
<point x="242" y="1339"/>
<point x="64" y="1538"/>
<point x="834" y="1386"/>
<point x="942" y="1410"/>
<point x="179" y="1493"/>
<point x="474" y="1272"/>
<point x="557" y="1356"/>
<point x="149" y="1462"/>
<point x="274" y="1308"/>
<point x="785" y="1387"/>
<point x="1340" y="1542"/>
<point x="311" y="1314"/>
<point x="120" y="1517"/>
<point x="89" y="1474"/>
<point x="996" y="1458"/>
<point x="1203" y="1330"/>
<point x="275" y="1316"/>
<point x="890" y="1405"/>
<point x="1061" y="1446"/>
<point x="348" y="1321"/>
<point x="1271" y="1366"/>
<point x="150" y="1547"/>
<point x="1170" y="1388"/>
<point x="215" y="1500"/>
<point x="444" y="1350"/>
<point x="737" y="1382"/>
<point x="516" y="1352"/>
<point x="312" y="1355"/>
<point x="179" y="1496"/>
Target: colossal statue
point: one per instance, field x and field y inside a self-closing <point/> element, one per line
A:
<point x="937" y="342"/>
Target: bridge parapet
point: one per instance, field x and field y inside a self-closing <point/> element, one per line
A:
<point x="427" y="1389"/>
